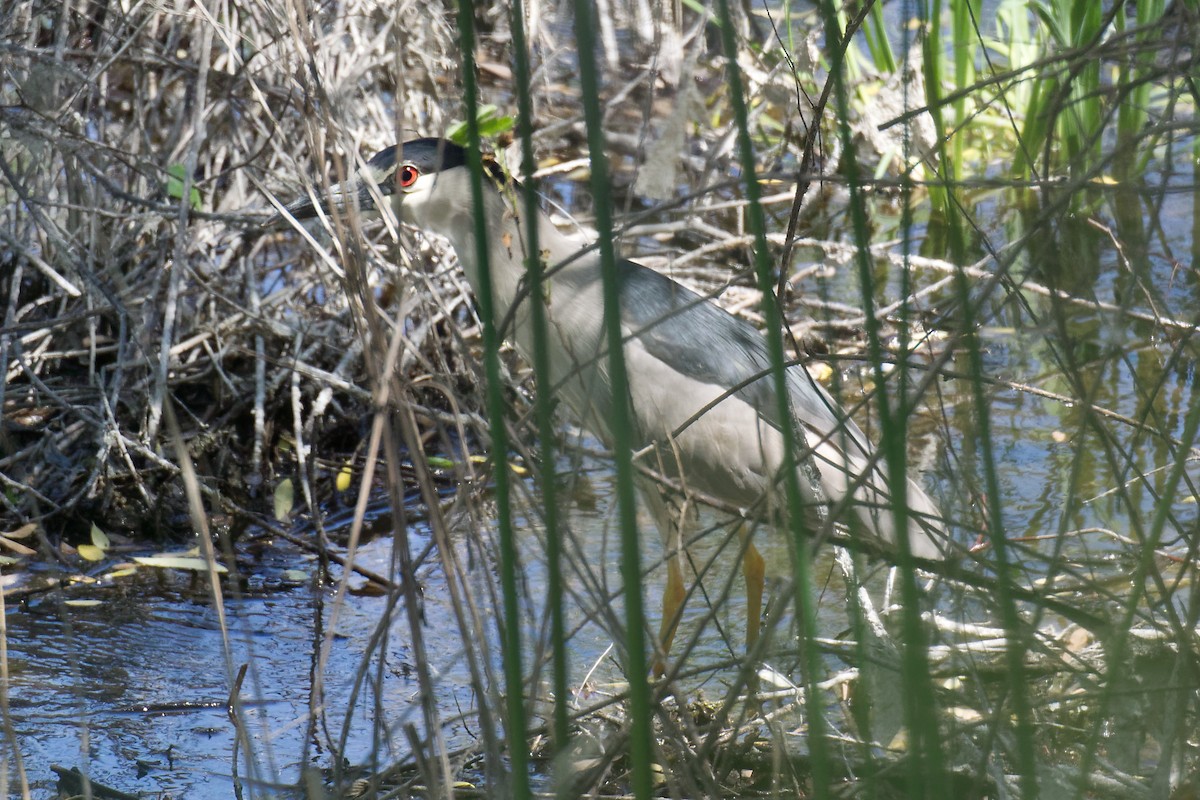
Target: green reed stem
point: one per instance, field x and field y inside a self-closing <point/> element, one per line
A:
<point x="926" y="764"/>
<point x="513" y="672"/>
<point x="805" y="613"/>
<point x="641" y="750"/>
<point x="543" y="401"/>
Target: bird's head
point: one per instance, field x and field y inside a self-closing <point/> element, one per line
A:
<point x="407" y="175"/>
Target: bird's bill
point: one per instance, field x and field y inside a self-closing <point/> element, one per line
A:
<point x="358" y="193"/>
<point x="353" y="195"/>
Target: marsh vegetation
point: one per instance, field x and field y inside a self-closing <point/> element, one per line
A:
<point x="980" y="231"/>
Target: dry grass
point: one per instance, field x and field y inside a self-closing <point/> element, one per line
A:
<point x="121" y="298"/>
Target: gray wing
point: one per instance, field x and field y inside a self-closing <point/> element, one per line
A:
<point x="698" y="339"/>
<point x="703" y="341"/>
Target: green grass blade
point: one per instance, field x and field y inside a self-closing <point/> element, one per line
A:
<point x="641" y="743"/>
<point x="543" y="402"/>
<point x="514" y="678"/>
<point x="802" y="568"/>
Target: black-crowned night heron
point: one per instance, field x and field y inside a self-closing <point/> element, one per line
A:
<point x="684" y="356"/>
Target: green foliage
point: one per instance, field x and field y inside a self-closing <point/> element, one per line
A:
<point x="878" y="44"/>
<point x="1042" y="89"/>
<point x="950" y="158"/>
<point x="1132" y="112"/>
<point x="176" y="180"/>
<point x="491" y="123"/>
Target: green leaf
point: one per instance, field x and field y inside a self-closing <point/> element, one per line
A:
<point x="99" y="538"/>
<point x="491" y="124"/>
<point x="175" y="182"/>
<point x="284" y="499"/>
<point x="495" y="126"/>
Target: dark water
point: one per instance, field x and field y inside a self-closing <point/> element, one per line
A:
<point x="135" y="690"/>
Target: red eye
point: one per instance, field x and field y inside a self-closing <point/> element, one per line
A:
<point x="407" y="176"/>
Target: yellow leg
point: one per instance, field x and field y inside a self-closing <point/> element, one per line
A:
<point x="753" y="570"/>
<point x="672" y="608"/>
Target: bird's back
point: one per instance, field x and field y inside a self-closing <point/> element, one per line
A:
<point x="699" y="359"/>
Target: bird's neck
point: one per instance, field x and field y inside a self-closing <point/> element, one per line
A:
<point x="572" y="296"/>
<point x="507" y="254"/>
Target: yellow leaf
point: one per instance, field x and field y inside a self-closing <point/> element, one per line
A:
<point x="284" y="498"/>
<point x="83" y="603"/>
<point x="1078" y="640"/>
<point x="343" y="477"/>
<point x="16" y="547"/>
<point x="168" y="561"/>
<point x="23" y="532"/>
<point x="820" y="371"/>
<point x="91" y="552"/>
